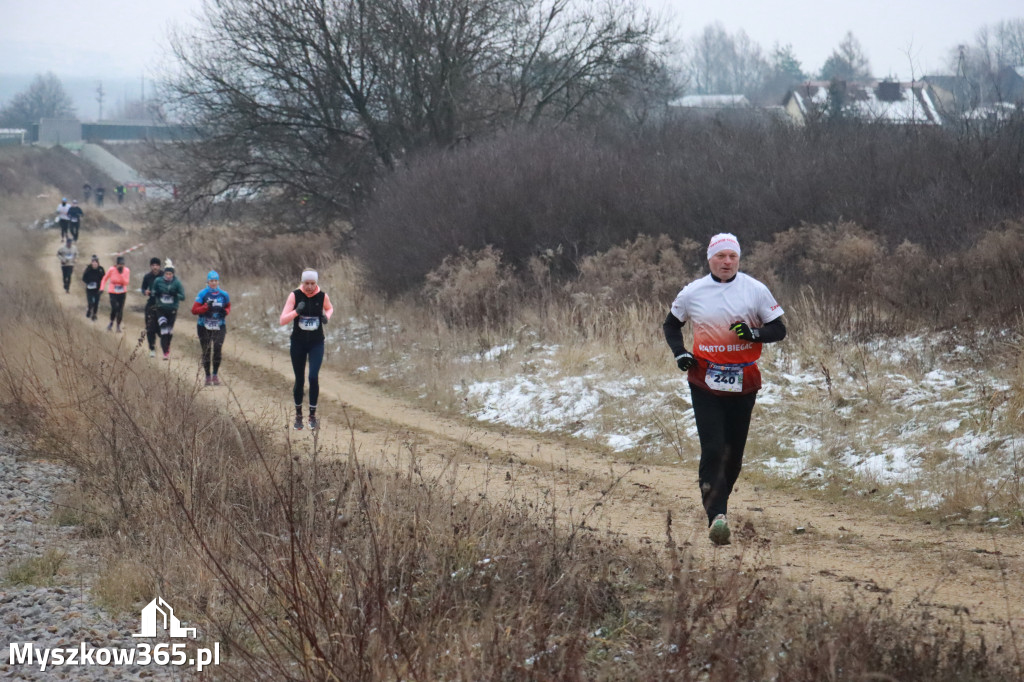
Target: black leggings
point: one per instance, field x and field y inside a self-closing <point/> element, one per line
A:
<point x="300" y="350"/>
<point x="722" y="425"/>
<point x="117" y="307"/>
<point x="166" y="326"/>
<point x="92" y="301"/>
<point x="65" y="270"/>
<point x="152" y="328"/>
<point x="211" y="338"/>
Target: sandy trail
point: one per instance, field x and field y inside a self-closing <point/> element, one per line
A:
<point x="968" y="574"/>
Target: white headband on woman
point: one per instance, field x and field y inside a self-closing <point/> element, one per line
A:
<point x="309" y="276"/>
<point x="723" y="242"/>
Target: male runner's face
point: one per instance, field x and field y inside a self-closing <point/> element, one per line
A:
<point x="725" y="264"/>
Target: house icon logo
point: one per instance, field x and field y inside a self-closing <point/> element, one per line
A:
<point x="158" y="611"/>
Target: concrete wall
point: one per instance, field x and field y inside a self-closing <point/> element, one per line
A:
<point x="60" y="130"/>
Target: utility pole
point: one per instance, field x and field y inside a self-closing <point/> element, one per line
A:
<point x="100" y="94"/>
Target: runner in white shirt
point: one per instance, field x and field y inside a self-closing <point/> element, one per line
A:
<point x="62" y="218"/>
<point x="732" y="315"/>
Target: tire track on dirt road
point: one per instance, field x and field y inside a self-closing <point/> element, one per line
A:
<point x="844" y="551"/>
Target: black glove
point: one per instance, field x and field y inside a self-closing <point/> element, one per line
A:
<point x="300" y="306"/>
<point x="323" y="320"/>
<point x="686" y="361"/>
<point x="745" y="332"/>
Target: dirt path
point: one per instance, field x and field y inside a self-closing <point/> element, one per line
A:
<point x="965" y="573"/>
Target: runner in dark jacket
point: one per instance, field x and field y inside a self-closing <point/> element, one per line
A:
<point x="92" y="277"/>
<point x="167" y="294"/>
<point x="155" y="271"/>
<point x="74" y="219"/>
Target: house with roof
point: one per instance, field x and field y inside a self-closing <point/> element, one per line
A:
<point x="953" y="95"/>
<point x="711" y="102"/>
<point x="735" y="108"/>
<point x="887" y="102"/>
<point x="1010" y="84"/>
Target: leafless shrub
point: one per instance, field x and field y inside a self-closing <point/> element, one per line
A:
<point x="587" y="191"/>
<point x="474" y="289"/>
<point x="643" y="270"/>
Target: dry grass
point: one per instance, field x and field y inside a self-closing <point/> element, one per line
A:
<point x="41" y="571"/>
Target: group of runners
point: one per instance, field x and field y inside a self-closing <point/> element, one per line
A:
<point x="731" y="313"/>
<point x="307" y="310"/>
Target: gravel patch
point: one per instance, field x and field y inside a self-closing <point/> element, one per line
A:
<point x="63" y="616"/>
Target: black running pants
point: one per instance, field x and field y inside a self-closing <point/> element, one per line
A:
<point x="722" y="426"/>
<point x="211" y="341"/>
<point x="117" y="307"/>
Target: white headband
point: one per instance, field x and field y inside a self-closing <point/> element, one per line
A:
<point x="722" y="242"/>
<point x="309" y="276"/>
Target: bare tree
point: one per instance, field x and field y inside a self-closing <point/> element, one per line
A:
<point x="995" y="49"/>
<point x="847" y="62"/>
<point x="722" y="64"/>
<point x="309" y="98"/>
<point x="44" y="98"/>
<point x="643" y="88"/>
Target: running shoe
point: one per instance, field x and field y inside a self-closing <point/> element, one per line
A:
<point x="719" y="531"/>
<point x="298" y="424"/>
<point x="209" y="380"/>
<point x="314" y="423"/>
<point x="152" y="353"/>
<point x="110" y="327"/>
<point x="216" y="380"/>
<point x="167" y="355"/>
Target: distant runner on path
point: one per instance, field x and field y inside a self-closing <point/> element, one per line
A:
<point x="155" y="271"/>
<point x="62" y="218"/>
<point x="212" y="305"/>
<point x="74" y="219"/>
<point x="308" y="308"/>
<point x="732" y="315"/>
<point x="67" y="255"/>
<point x="92" y="277"/>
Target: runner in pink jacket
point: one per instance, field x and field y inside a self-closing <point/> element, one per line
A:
<point x="115" y="282"/>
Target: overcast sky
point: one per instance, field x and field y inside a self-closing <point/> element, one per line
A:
<point x="887" y="29"/>
<point x="123" y="38"/>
